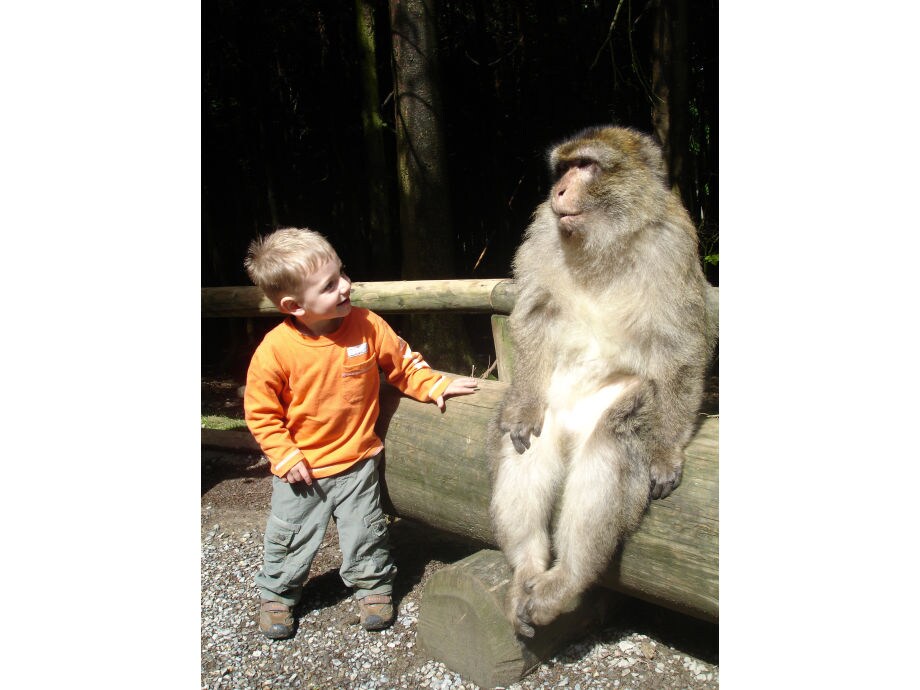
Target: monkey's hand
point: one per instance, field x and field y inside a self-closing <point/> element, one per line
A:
<point x="665" y="476"/>
<point x="521" y="420"/>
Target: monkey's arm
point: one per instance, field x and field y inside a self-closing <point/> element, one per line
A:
<point x="525" y="402"/>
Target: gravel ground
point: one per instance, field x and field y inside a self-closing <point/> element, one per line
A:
<point x="644" y="647"/>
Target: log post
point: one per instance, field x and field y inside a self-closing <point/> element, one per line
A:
<point x="462" y="622"/>
<point x="504" y="352"/>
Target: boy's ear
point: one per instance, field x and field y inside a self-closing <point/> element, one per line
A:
<point x="288" y="305"/>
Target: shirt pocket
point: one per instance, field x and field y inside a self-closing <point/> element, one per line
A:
<point x="360" y="380"/>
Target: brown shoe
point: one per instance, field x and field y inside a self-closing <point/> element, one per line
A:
<point x="376" y="611"/>
<point x="276" y="620"/>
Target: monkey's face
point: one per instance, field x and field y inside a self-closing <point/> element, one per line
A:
<point x="571" y="197"/>
<point x="602" y="176"/>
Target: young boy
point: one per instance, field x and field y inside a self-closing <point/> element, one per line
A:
<point x="311" y="402"/>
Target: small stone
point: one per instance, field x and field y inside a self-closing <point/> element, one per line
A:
<point x="647" y="649"/>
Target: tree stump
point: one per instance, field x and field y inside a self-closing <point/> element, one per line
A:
<point x="462" y="622"/>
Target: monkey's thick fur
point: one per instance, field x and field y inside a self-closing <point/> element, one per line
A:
<point x="611" y="343"/>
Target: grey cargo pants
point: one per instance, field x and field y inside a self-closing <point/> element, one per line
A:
<point x="299" y="516"/>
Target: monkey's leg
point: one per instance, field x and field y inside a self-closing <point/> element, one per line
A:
<point x="604" y="498"/>
<point x="522" y="499"/>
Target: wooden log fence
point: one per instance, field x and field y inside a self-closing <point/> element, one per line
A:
<point x="436" y="473"/>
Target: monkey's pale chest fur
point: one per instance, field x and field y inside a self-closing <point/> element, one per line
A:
<point x="572" y="417"/>
<point x="598" y="334"/>
<point x="584" y="384"/>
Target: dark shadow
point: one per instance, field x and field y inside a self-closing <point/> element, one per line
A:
<point x="218" y="465"/>
<point x="415" y="546"/>
<point x="322" y="591"/>
<point x="390" y="398"/>
<point x="710" y="403"/>
<point x="625" y="616"/>
<point x="696" y="637"/>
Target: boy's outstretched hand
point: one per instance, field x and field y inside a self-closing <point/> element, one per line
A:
<point x="463" y="386"/>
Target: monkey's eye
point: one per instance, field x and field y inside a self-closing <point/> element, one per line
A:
<point x="581" y="163"/>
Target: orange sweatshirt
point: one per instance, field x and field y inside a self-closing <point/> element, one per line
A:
<point x="316" y="399"/>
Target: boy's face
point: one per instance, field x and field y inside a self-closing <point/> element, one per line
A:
<point x="324" y="297"/>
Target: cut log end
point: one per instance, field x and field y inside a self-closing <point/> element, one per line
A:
<point x="462" y="622"/>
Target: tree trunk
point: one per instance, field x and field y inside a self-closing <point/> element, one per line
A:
<point x="378" y="229"/>
<point x="670" y="110"/>
<point x="424" y="205"/>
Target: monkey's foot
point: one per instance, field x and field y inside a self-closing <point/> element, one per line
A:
<point x="517" y="594"/>
<point x="516" y="598"/>
<point x="545" y="596"/>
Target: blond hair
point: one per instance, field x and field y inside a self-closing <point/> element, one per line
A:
<point x="280" y="263"/>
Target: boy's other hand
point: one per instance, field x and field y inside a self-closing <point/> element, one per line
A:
<point x="463" y="386"/>
<point x="298" y="473"/>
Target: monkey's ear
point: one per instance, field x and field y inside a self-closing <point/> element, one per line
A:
<point x="652" y="156"/>
<point x="552" y="160"/>
<point x="289" y="305"/>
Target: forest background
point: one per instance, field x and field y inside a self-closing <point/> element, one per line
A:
<point x="412" y="133"/>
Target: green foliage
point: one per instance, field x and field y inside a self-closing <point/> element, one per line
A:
<point x="221" y="423"/>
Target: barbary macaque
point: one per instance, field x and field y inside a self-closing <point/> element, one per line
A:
<point x="611" y="342"/>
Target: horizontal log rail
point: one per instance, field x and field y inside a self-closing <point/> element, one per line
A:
<point x="486" y="296"/>
<point x="490" y="296"/>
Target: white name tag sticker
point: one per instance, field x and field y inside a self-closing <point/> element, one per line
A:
<point x="357" y="350"/>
